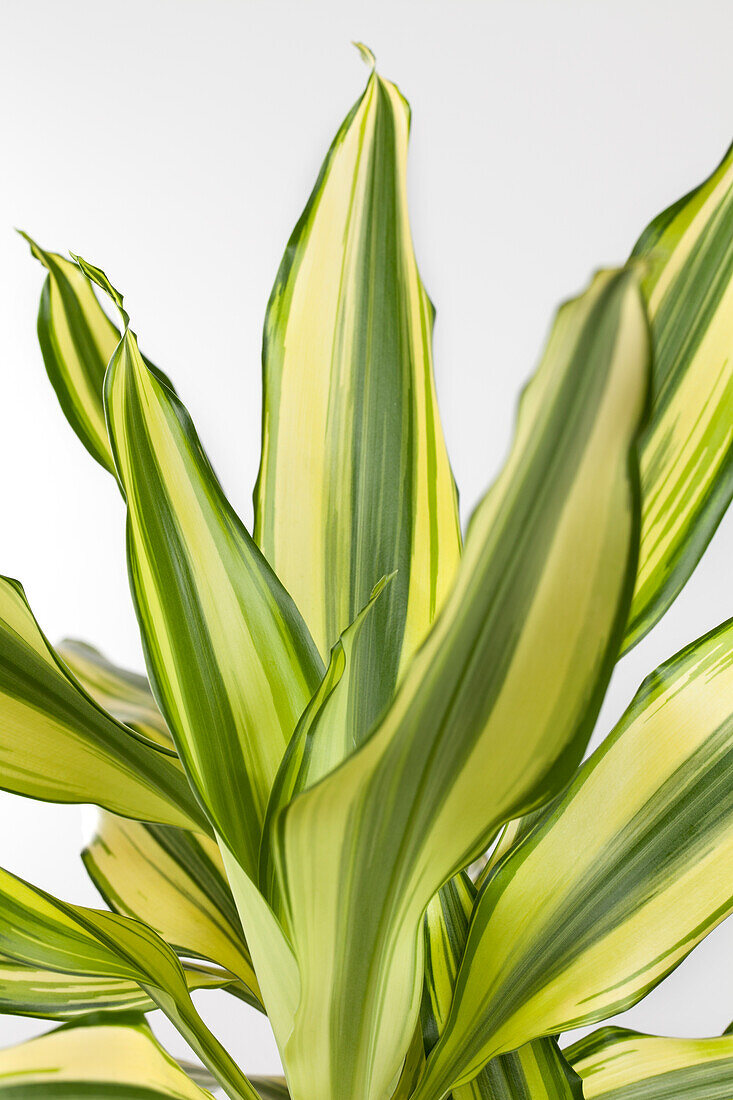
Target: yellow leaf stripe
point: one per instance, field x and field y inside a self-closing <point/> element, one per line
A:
<point x="616" y="885"/>
<point x="541" y="598"/>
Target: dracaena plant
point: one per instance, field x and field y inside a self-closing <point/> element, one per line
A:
<point x="350" y="792"/>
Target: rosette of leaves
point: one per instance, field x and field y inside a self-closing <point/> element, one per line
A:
<point x="350" y="704"/>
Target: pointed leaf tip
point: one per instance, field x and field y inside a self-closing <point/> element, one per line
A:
<point x="366" y="55"/>
<point x="98" y="276"/>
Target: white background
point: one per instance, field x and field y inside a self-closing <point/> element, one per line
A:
<point x="174" y="142"/>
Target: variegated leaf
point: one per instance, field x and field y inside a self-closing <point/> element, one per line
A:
<point x="355" y="482"/>
<point x="616" y="885"/>
<point x="541" y="598"/>
<point x="231" y="661"/>
<point x="174" y="881"/>
<point x="687" y="452"/>
<point x="58" y="744"/>
<point x="99" y="1059"/>
<point x="43" y="932"/>
<point x="616" y="1064"/>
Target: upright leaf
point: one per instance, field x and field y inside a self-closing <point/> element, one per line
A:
<point x="507" y="686"/>
<point x="687" y="452"/>
<point x="59" y="745"/>
<point x="617" y="1064"/>
<point x="39" y="930"/>
<point x="355" y="482"/>
<point x="230" y="659"/>
<point x="616" y="885"/>
<point x="119" y="1058"/>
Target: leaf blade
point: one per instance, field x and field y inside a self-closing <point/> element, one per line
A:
<point x="687" y="452"/>
<point x="416" y="790"/>
<point x="58" y="745"/>
<point x="647" y="880"/>
<point x="120" y="1058"/>
<point x="624" y="1065"/>
<point x="355" y="482"/>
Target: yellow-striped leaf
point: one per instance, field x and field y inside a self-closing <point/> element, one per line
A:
<point x="77" y="340"/>
<point x="124" y="694"/>
<point x="47" y="994"/>
<point x="541" y="599"/>
<point x="687" y="453"/>
<point x="174" y="881"/>
<point x="230" y="659"/>
<point x="41" y="931"/>
<point x="335" y="722"/>
<point x="538" y="1070"/>
<point x="614" y="887"/>
<point x="59" y="745"/>
<point x="616" y="1064"/>
<point x="117" y="1058"/>
<point x="354" y="482"/>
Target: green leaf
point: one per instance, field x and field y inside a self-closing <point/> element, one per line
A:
<point x="41" y="931"/>
<point x="617" y="1064"/>
<point x="541" y="599"/>
<point x="59" y="745"/>
<point x="174" y="881"/>
<point x="616" y="885"/>
<point x="230" y="659"/>
<point x="77" y="340"/>
<point x="354" y="482"/>
<point x="119" y="1058"/>
<point x="47" y="994"/>
<point x="126" y="695"/>
<point x="687" y="452"/>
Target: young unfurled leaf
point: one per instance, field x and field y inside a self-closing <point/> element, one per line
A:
<point x="616" y="885"/>
<point x="541" y="599"/>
